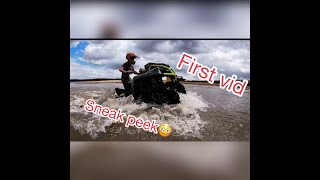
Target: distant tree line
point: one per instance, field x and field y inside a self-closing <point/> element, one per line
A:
<point x="179" y="77"/>
<point x="95" y="79"/>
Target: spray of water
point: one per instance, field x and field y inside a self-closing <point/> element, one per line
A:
<point x="184" y="117"/>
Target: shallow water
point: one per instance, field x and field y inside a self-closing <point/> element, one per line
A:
<point x="206" y="113"/>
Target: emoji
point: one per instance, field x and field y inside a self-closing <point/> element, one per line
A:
<point x="164" y="130"/>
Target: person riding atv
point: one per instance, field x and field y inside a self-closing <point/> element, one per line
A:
<point x="127" y="69"/>
<point x="148" y="85"/>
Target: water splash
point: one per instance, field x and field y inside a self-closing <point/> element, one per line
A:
<point x="184" y="118"/>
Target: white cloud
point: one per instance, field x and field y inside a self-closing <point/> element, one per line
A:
<point x="108" y="53"/>
<point x="78" y="71"/>
<point x="74" y="43"/>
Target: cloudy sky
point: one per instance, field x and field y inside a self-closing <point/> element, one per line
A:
<point x="103" y="58"/>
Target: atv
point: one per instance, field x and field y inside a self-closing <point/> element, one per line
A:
<point x="149" y="87"/>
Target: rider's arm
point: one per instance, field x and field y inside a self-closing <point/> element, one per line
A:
<point x="124" y="71"/>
